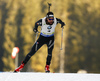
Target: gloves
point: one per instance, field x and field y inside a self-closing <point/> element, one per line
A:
<point x="62" y="24"/>
<point x="35" y="30"/>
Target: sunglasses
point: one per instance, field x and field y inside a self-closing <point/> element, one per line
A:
<point x="51" y="19"/>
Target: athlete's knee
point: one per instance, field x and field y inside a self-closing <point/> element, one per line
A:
<point x="50" y="54"/>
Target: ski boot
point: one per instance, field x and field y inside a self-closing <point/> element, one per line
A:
<point x="19" y="68"/>
<point x="47" y="69"/>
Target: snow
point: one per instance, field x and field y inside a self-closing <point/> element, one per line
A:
<point x="31" y="76"/>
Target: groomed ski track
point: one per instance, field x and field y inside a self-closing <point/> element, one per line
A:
<point x="31" y="76"/>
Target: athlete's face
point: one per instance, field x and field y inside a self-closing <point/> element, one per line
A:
<point x="50" y="20"/>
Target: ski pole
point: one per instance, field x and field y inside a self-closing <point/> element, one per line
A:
<point x="36" y="41"/>
<point x="61" y="38"/>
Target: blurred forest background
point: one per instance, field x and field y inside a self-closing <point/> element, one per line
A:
<point x="81" y="44"/>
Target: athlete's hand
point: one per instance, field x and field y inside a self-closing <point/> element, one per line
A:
<point x="62" y="25"/>
<point x="35" y="30"/>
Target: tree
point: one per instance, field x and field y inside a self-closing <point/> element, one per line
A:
<point x="83" y="28"/>
<point x="10" y="31"/>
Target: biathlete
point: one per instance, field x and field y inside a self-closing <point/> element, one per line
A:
<point x="48" y="25"/>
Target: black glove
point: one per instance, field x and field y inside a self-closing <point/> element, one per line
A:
<point x="62" y="24"/>
<point x="35" y="30"/>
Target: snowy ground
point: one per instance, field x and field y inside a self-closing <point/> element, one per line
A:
<point x="30" y="76"/>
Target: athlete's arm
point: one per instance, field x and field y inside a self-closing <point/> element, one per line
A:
<point x="38" y="23"/>
<point x="60" y="21"/>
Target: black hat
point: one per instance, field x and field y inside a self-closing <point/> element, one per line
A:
<point x="50" y="14"/>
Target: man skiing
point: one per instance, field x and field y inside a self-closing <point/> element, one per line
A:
<point x="48" y="25"/>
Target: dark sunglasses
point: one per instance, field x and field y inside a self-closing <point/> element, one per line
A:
<point x="51" y="19"/>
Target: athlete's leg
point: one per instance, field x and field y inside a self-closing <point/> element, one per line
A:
<point x="50" y="45"/>
<point x="39" y="43"/>
<point x="50" y="49"/>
